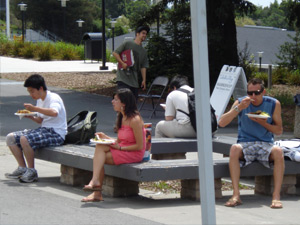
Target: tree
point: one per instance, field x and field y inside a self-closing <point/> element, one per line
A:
<point x="273" y="16"/>
<point x="242" y="21"/>
<point x="293" y="12"/>
<point x="115" y="8"/>
<point x="49" y="15"/>
<point x="289" y="53"/>
<point x="136" y="9"/>
<point x="172" y="53"/>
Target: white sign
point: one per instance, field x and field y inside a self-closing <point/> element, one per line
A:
<point x="231" y="81"/>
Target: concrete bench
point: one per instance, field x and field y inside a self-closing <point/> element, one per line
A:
<point x="221" y="144"/>
<point x="175" y="148"/>
<point x="122" y="180"/>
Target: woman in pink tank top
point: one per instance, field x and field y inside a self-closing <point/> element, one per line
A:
<point x="129" y="147"/>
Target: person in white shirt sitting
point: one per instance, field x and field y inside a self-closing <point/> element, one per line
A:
<point x="50" y="114"/>
<point x="176" y="123"/>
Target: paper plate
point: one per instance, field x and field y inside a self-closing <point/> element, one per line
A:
<point x="257" y="116"/>
<point x="21" y="115"/>
<point x="102" y="141"/>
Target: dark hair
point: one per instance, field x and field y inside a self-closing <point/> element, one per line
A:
<point x="255" y="81"/>
<point x="141" y="28"/>
<point x="35" y="81"/>
<point x="178" y="81"/>
<point x="126" y="97"/>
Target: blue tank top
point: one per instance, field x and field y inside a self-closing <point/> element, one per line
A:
<point x="249" y="130"/>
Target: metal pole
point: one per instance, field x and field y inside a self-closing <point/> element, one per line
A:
<point x="23" y="26"/>
<point x="269" y="76"/>
<point x="157" y="26"/>
<point x="7" y="20"/>
<point x="202" y="94"/>
<point x="64" y="18"/>
<point x="103" y="67"/>
<point x="113" y="38"/>
<point x="259" y="64"/>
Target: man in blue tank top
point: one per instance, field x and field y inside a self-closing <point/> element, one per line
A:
<point x="255" y="138"/>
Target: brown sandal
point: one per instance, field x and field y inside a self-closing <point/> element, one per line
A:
<point x="276" y="204"/>
<point x="91" y="200"/>
<point x="91" y="188"/>
<point x="232" y="202"/>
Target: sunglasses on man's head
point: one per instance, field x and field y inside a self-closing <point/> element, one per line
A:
<point x="258" y="92"/>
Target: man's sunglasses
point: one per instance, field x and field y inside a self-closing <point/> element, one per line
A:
<point x="255" y="92"/>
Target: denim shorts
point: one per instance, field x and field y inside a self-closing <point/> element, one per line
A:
<point x="256" y="151"/>
<point x="40" y="137"/>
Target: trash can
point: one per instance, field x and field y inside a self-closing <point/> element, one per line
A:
<point x="92" y="46"/>
<point x="297" y="116"/>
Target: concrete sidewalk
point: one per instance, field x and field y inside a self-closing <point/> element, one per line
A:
<point x="49" y="202"/>
<point x="15" y="65"/>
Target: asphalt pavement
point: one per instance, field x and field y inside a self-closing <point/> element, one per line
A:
<point x="50" y="202"/>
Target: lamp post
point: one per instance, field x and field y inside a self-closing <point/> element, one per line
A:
<point x="157" y="20"/>
<point x="113" y="34"/>
<point x="7" y="19"/>
<point x="80" y="22"/>
<point x="103" y="67"/>
<point x="260" y="58"/>
<point x="23" y="8"/>
<point x="64" y="5"/>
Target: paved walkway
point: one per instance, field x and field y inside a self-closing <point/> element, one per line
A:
<point x="15" y="65"/>
<point x="49" y="202"/>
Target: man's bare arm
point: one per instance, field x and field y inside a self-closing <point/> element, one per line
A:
<point x="118" y="58"/>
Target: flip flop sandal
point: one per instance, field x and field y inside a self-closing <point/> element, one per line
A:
<point x="90" y="188"/>
<point x="91" y="200"/>
<point x="276" y="204"/>
<point x="232" y="202"/>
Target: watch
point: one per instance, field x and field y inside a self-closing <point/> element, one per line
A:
<point x="236" y="108"/>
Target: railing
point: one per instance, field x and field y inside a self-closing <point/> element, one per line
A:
<point x="51" y="36"/>
<point x="35" y="36"/>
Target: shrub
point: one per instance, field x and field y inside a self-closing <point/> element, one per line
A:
<point x="79" y="51"/>
<point x="67" y="51"/>
<point x="284" y="96"/>
<point x="110" y="57"/>
<point x="294" y="77"/>
<point x="3" y="38"/>
<point x="46" y="51"/>
<point x="16" y="48"/>
<point x="279" y="75"/>
<point x="5" y="48"/>
<point x="28" y="51"/>
<point x="263" y="76"/>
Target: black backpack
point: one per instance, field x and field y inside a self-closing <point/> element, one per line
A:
<point x="192" y="110"/>
<point x="81" y="127"/>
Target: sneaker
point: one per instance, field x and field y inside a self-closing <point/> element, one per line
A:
<point x="30" y="176"/>
<point x="17" y="173"/>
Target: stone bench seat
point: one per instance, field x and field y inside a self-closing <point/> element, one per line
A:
<point x="221" y="144"/>
<point x="122" y="180"/>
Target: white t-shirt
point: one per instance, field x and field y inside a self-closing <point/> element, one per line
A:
<point x="178" y="100"/>
<point x="58" y="123"/>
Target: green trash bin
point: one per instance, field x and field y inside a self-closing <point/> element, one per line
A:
<point x="92" y="46"/>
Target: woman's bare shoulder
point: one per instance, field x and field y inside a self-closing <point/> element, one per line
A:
<point x="136" y="120"/>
